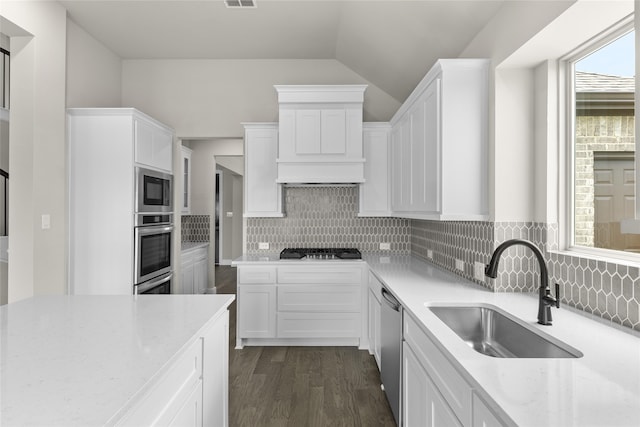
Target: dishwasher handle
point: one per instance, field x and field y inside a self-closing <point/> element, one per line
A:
<point x="390" y="300"/>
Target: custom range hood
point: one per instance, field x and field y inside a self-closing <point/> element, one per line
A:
<point x="320" y="134"/>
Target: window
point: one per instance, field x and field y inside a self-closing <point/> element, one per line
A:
<point x="601" y="142"/>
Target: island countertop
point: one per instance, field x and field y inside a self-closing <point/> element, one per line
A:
<point x="84" y="360"/>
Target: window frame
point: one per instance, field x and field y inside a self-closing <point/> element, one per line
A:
<point x="566" y="154"/>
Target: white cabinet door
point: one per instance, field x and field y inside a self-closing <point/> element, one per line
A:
<point x="190" y="415"/>
<point x="188" y="278"/>
<point x="396" y="168"/>
<point x="422" y="403"/>
<point x="482" y="415"/>
<point x="201" y="273"/>
<point x="431" y="163"/>
<point x="186" y="180"/>
<point x="374" y="192"/>
<point x="257" y="311"/>
<point x="153" y="145"/>
<point x="262" y="195"/>
<point x="417" y="157"/>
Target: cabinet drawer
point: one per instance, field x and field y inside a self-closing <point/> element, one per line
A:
<point x="453" y="387"/>
<point x="318" y="325"/>
<point x="327" y="298"/>
<point x="164" y="400"/>
<point x="327" y="274"/>
<point x="253" y="275"/>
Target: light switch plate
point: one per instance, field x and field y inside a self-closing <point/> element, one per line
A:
<point x="385" y="246"/>
<point x="46" y="221"/>
<point x="429" y="254"/>
<point x="229" y="214"/>
<point x="459" y="265"/>
<point x="263" y="245"/>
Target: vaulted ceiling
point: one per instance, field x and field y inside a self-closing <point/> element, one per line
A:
<point x="390" y="43"/>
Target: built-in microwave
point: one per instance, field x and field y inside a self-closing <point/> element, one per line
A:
<point x="153" y="191"/>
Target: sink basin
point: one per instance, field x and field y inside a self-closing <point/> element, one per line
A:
<point x="495" y="333"/>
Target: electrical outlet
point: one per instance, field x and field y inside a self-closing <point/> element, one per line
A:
<point x="429" y="254"/>
<point x="46" y="221"/>
<point x="385" y="246"/>
<point x="263" y="245"/>
<point x="478" y="271"/>
<point x="459" y="265"/>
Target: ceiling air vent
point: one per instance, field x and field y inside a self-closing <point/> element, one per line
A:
<point x="240" y="3"/>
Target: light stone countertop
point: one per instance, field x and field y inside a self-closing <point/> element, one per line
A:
<point x="84" y="360"/>
<point x="602" y="388"/>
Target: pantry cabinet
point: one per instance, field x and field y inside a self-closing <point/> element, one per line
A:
<point x="439" y="145"/>
<point x="262" y="194"/>
<point x="374" y="191"/>
<point x="320" y="134"/>
<point x="104" y="147"/>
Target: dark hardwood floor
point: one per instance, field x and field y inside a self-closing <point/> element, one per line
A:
<point x="300" y="386"/>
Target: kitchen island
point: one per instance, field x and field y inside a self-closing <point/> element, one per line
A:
<point x="114" y="360"/>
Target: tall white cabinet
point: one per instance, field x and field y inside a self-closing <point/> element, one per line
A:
<point x="439" y="145"/>
<point x="105" y="144"/>
<point x="375" y="199"/>
<point x="262" y="194"/>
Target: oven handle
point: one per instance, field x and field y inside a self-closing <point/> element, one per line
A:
<point x="144" y="287"/>
<point x="144" y="231"/>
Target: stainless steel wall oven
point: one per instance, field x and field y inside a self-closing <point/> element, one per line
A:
<point x="153" y="235"/>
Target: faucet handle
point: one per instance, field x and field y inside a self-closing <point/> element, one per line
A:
<point x="557" y="295"/>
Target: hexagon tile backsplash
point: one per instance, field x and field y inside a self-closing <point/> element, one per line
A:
<point x="605" y="289"/>
<point x="326" y="217"/>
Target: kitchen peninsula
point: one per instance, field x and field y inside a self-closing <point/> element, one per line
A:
<point x="115" y="360"/>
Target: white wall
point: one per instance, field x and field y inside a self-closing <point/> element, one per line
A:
<point x="37" y="146"/>
<point x="94" y="73"/>
<point x="519" y="38"/>
<point x="210" y="98"/>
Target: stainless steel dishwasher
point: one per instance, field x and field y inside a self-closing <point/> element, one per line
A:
<point x="391" y="350"/>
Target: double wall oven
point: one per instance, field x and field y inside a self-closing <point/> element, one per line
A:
<point x="153" y="232"/>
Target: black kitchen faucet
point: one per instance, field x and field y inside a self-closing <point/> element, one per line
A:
<point x="545" y="300"/>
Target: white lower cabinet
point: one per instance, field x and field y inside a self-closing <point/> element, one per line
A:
<point x="199" y="375"/>
<point x="194" y="274"/>
<point x="300" y="305"/>
<point x="434" y="393"/>
<point x="422" y="403"/>
<point x="257" y="311"/>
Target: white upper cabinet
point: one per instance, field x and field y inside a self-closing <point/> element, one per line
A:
<point x="153" y="144"/>
<point x="374" y="191"/>
<point x="320" y="137"/>
<point x="439" y="145"/>
<point x="262" y="194"/>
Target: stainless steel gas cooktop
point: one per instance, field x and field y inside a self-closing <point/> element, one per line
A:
<point x="320" y="253"/>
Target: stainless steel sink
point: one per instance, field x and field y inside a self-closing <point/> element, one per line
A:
<point x="498" y="334"/>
